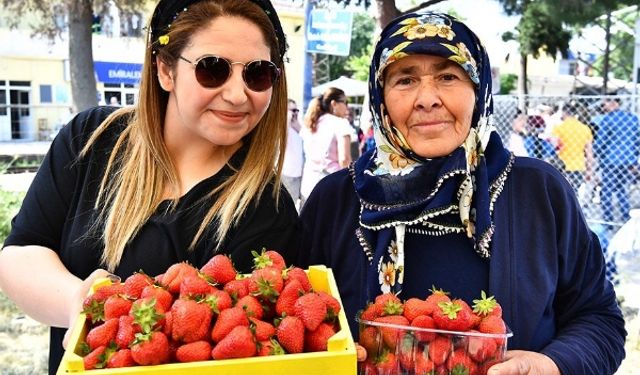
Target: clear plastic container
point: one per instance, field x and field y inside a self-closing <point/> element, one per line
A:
<point x="399" y="349"/>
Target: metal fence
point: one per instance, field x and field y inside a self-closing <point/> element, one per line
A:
<point x="593" y="140"/>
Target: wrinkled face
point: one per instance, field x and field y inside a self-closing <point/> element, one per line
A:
<point x="221" y="116"/>
<point x="430" y="100"/>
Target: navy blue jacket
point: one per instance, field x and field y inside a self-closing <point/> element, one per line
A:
<point x="546" y="268"/>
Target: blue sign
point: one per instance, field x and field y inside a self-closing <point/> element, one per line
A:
<point x="329" y="32"/>
<point x="115" y="72"/>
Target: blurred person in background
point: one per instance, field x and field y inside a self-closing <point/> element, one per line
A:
<point x="575" y="147"/>
<point x="293" y="156"/>
<point x="326" y="138"/>
<point x="517" y="135"/>
<point x="440" y="201"/>
<point x="617" y="149"/>
<point x="192" y="171"/>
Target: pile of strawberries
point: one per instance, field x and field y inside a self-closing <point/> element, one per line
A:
<point x="187" y="314"/>
<point x="423" y="346"/>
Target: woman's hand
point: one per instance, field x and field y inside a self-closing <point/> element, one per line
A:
<point x="361" y="353"/>
<point x="79" y="295"/>
<point x="521" y="362"/>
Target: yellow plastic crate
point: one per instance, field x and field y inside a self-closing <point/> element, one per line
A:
<point x="340" y="357"/>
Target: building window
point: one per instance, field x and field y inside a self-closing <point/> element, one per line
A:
<point x="46" y="95"/>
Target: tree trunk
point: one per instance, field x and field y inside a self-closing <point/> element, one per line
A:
<point x="83" y="80"/>
<point x="607" y="54"/>
<point x="387" y="11"/>
<point x="522" y="80"/>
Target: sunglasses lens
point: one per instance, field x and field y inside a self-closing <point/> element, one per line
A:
<point x="212" y="71"/>
<point x="260" y="75"/>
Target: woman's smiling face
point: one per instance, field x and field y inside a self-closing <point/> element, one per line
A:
<point x="430" y="100"/>
<point x="221" y="116"/>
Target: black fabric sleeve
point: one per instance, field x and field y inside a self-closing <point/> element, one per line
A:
<point x="265" y="225"/>
<point x="41" y="218"/>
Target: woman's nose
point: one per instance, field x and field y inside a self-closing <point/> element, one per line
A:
<point x="233" y="90"/>
<point x="428" y="95"/>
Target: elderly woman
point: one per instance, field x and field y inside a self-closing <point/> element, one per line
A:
<point x="441" y="202"/>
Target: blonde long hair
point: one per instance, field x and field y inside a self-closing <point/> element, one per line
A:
<point x="140" y="167"/>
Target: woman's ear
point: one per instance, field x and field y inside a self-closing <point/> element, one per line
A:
<point x="165" y="75"/>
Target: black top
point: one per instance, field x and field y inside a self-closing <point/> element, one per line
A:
<point x="58" y="210"/>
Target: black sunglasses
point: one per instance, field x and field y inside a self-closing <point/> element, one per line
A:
<point x="213" y="71"/>
<point x="295" y="110"/>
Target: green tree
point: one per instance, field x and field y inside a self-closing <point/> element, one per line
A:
<point x="548" y="25"/>
<point x="52" y="18"/>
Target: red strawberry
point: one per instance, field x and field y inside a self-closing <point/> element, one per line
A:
<point x="150" y="349"/>
<point x="481" y="348"/>
<point x="115" y="306"/>
<point x="93" y="305"/>
<point x="290" y="333"/>
<point x="459" y="363"/>
<point x="194" y="351"/>
<point x="424" y="321"/>
<point x="103" y="334"/>
<point x="333" y="305"/>
<point x="422" y="364"/>
<point x="126" y="331"/>
<point x="220" y="269"/>
<point x="121" y="358"/>
<point x="311" y="310"/>
<point x="486" y="306"/>
<point x="436" y="296"/>
<point x="453" y="316"/>
<point x="269" y="347"/>
<point x="218" y="300"/>
<point x="389" y="304"/>
<point x="439" y="349"/>
<point x="268" y="258"/>
<point x="367" y="368"/>
<point x="370" y="340"/>
<point x="251" y="306"/>
<point x="239" y="343"/>
<point x="414" y="307"/>
<point x="290" y="294"/>
<point x="190" y="320"/>
<point x="266" y="283"/>
<point x="227" y="321"/>
<point x="195" y="286"/>
<point x="387" y="363"/>
<point x="297" y="273"/>
<point x="406" y="352"/>
<point x="95" y="359"/>
<point x="262" y="330"/>
<point x="316" y="341"/>
<point x="236" y="288"/>
<point x="175" y="274"/>
<point x="163" y="298"/>
<point x="494" y="325"/>
<point x="371" y="312"/>
<point x="147" y="314"/>
<point x="134" y="284"/>
<point x="390" y="336"/>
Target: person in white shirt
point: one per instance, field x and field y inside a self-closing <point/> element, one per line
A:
<point x="326" y="137"/>
<point x="293" y="156"/>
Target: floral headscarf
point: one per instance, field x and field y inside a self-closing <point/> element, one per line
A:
<point x="401" y="191"/>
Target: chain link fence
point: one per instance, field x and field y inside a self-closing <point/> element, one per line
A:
<point x="593" y="140"/>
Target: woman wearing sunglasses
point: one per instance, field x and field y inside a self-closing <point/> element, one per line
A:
<point x="187" y="173"/>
